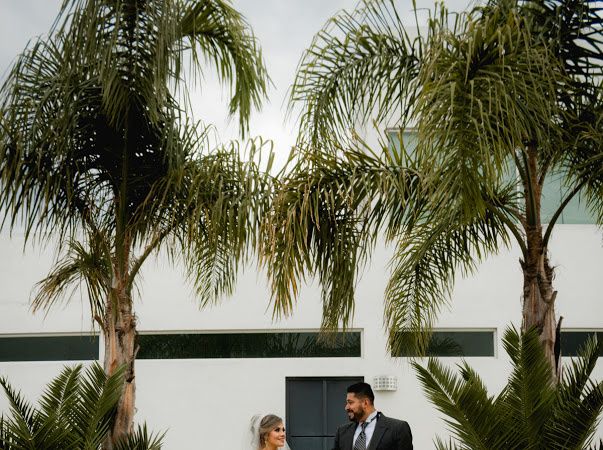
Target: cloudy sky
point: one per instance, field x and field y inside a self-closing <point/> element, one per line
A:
<point x="283" y="27"/>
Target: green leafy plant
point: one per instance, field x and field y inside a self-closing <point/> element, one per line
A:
<point x="99" y="153"/>
<point x="76" y="411"/>
<point x="501" y="98"/>
<point x="532" y="412"/>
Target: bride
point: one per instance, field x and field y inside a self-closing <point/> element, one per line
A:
<point x="267" y="433"/>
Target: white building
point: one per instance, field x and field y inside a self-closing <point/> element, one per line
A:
<point x="215" y="397"/>
<point x="206" y="402"/>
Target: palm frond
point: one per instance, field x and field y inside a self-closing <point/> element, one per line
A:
<point x="530" y="389"/>
<point x="531" y="412"/>
<point x="326" y="216"/>
<point x="579" y="400"/>
<point x="577" y="374"/>
<point x="468" y="410"/>
<point x="61" y="393"/>
<point x="30" y="428"/>
<point x="574" y="28"/>
<point x="450" y="445"/>
<point x="471" y="110"/>
<point x="56" y="404"/>
<point x="93" y="414"/>
<point x="360" y="64"/>
<point x="140" y="439"/>
<point x="76" y="411"/>
<point x="20" y="427"/>
<point x="598" y="446"/>
<point x="123" y="131"/>
<point x="221" y="35"/>
<point x="584" y="155"/>
<point x="430" y="252"/>
<point x="86" y="263"/>
<point x="227" y="196"/>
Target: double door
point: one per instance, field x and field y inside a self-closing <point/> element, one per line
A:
<point x="315" y="408"/>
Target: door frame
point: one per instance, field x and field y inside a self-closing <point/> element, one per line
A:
<point x="351" y="378"/>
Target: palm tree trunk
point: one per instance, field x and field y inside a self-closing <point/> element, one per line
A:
<point x="539" y="297"/>
<point x="538" y="293"/>
<point x="120" y="350"/>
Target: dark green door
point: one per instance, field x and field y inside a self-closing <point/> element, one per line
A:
<point x="315" y="408"/>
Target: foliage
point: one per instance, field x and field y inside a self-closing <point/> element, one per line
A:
<point x="94" y="139"/>
<point x="99" y="154"/>
<point x="76" y="411"/>
<point x="321" y="220"/>
<point x="531" y="412"/>
<point x="512" y="87"/>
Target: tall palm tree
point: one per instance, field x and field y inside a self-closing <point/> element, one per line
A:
<point x="502" y="97"/>
<point x="97" y="150"/>
<point x="531" y="412"/>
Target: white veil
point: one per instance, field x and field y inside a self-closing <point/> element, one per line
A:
<point x="254" y="433"/>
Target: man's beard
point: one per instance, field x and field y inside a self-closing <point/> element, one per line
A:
<point x="355" y="415"/>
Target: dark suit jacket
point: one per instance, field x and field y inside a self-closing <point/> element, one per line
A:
<point x="389" y="434"/>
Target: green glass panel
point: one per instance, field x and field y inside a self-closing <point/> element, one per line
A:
<point x="49" y="348"/>
<point x="409" y="138"/>
<point x="551" y="197"/>
<point x="576" y="212"/>
<point x="553" y="193"/>
<point x="248" y="345"/>
<point x="459" y="343"/>
<point x="572" y="341"/>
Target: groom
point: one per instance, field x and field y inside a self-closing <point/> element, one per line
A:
<point x="369" y="429"/>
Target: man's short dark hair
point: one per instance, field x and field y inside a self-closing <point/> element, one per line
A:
<point x="362" y="390"/>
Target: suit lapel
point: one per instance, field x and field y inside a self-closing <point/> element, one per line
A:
<point x="380" y="428"/>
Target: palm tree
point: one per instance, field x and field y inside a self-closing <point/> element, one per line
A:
<point x="531" y="412"/>
<point x="97" y="150"/>
<point x="502" y="97"/>
<point x="76" y="411"/>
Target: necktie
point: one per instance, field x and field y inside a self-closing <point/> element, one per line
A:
<point x="361" y="440"/>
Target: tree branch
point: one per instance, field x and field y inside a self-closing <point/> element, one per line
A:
<point x="514" y="230"/>
<point x="145" y="254"/>
<point x="553" y="220"/>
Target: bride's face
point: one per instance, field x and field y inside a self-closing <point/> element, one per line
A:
<point x="276" y="437"/>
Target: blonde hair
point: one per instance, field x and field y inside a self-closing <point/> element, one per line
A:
<point x="267" y="424"/>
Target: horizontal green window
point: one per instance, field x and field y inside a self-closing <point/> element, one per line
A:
<point x="458" y="343"/>
<point x="49" y="348"/>
<point x="572" y="341"/>
<point x="248" y="345"/>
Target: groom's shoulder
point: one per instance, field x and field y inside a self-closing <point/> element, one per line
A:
<point x="391" y="421"/>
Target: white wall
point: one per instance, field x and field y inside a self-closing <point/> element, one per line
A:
<point x="185" y="396"/>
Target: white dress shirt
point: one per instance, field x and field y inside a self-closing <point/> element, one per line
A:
<point x="370" y="428"/>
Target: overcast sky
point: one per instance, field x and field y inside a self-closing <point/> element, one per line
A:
<point x="284" y="29"/>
